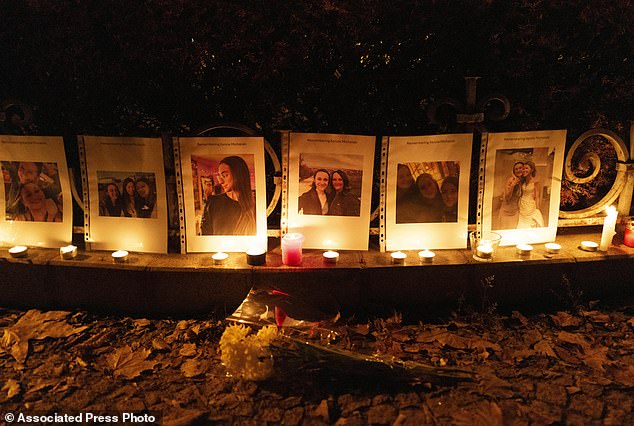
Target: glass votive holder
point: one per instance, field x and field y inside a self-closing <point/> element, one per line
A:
<point x="292" y="249"/>
<point x="628" y="234"/>
<point x="484" y="245"/>
<point x="68" y="252"/>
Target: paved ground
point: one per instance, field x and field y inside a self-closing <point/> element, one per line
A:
<point x="574" y="367"/>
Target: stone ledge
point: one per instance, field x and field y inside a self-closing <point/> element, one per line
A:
<point x="191" y="284"/>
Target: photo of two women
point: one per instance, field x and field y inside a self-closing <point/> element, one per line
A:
<point x="32" y="191"/>
<point x="427" y="192"/>
<point x="127" y="194"/>
<point x="224" y="194"/>
<point x="330" y="184"/>
<point x="521" y="191"/>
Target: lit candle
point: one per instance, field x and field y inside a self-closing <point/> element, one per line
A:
<point x="219" y="258"/>
<point x="426" y="256"/>
<point x="552" y="248"/>
<point x="120" y="256"/>
<point x="18" y="251"/>
<point x="609" y="223"/>
<point x="256" y="256"/>
<point x="484" y="251"/>
<point x="628" y="235"/>
<point x="398" y="257"/>
<point x="292" y="249"/>
<point x="588" y="246"/>
<point x="524" y="249"/>
<point x="68" y="252"/>
<point x="331" y="256"/>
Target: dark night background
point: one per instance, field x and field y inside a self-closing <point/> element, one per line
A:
<point x="139" y="68"/>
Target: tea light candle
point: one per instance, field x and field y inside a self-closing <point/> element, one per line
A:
<point x="484" y="251"/>
<point x="552" y="248"/>
<point x="219" y="258"/>
<point x="628" y="235"/>
<point x="426" y="256"/>
<point x="524" y="249"/>
<point x="292" y="249"/>
<point x="398" y="257"/>
<point x="331" y="257"/>
<point x="68" y="252"/>
<point x="120" y="256"/>
<point x="609" y="223"/>
<point x="256" y="256"/>
<point x="588" y="246"/>
<point x="18" y="251"/>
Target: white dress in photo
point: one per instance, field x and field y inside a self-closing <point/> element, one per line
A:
<point x="529" y="215"/>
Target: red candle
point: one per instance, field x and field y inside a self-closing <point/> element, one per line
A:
<point x="292" y="249"/>
<point x="628" y="235"/>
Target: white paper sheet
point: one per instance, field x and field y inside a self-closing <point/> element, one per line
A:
<point x="520" y="218"/>
<point x="347" y="225"/>
<point x="201" y="159"/>
<point x="414" y="221"/>
<point x="112" y="160"/>
<point x="16" y="227"/>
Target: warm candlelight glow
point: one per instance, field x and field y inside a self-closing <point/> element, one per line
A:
<point x="484" y="250"/>
<point x="483" y="245"/>
<point x="331" y="256"/>
<point x="398" y="257"/>
<point x="524" y="249"/>
<point x="292" y="249"/>
<point x="68" y="252"/>
<point x="18" y="251"/>
<point x="120" y="256"/>
<point x="426" y="256"/>
<point x="219" y="258"/>
<point x="588" y="246"/>
<point x="552" y="248"/>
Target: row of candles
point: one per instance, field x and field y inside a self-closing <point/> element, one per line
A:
<point x="483" y="247"/>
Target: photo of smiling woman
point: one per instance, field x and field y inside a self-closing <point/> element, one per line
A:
<point x="229" y="208"/>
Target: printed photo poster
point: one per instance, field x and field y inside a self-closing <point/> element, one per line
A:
<point x="127" y="198"/>
<point x="427" y="196"/>
<point x="330" y="189"/>
<point x="522" y="184"/>
<point x="224" y="193"/>
<point x="36" y="206"/>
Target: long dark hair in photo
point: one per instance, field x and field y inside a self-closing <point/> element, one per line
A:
<point x="242" y="185"/>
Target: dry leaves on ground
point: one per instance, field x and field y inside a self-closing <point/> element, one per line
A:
<point x="124" y="362"/>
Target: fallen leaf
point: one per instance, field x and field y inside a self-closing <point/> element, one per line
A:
<point x="625" y="375"/>
<point x="193" y="367"/>
<point x="123" y="362"/>
<point x="522" y="354"/>
<point x="572" y="338"/>
<point x="596" y="316"/>
<point x="595" y="357"/>
<point x="543" y="348"/>
<point x="35" y="325"/>
<point x="12" y="387"/>
<point x="564" y="319"/>
<point x="160" y="344"/>
<point x="322" y="411"/>
<point x="483" y="414"/>
<point x="142" y="322"/>
<point x="188" y="349"/>
<point x="521" y="318"/>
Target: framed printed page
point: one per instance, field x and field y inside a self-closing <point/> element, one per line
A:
<point x="35" y="204"/>
<point x="427" y="192"/>
<point x="126" y="193"/>
<point x="330" y="189"/>
<point x="522" y="184"/>
<point x="224" y="193"/>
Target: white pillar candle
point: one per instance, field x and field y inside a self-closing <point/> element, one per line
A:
<point x="18" y="251"/>
<point x="588" y="246"/>
<point x="398" y="257"/>
<point x="331" y="256"/>
<point x="120" y="256"/>
<point x="484" y="251"/>
<point x="524" y="249"/>
<point x="609" y="223"/>
<point x="552" y="248"/>
<point x="426" y="256"/>
<point x="219" y="258"/>
<point x="68" y="252"/>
